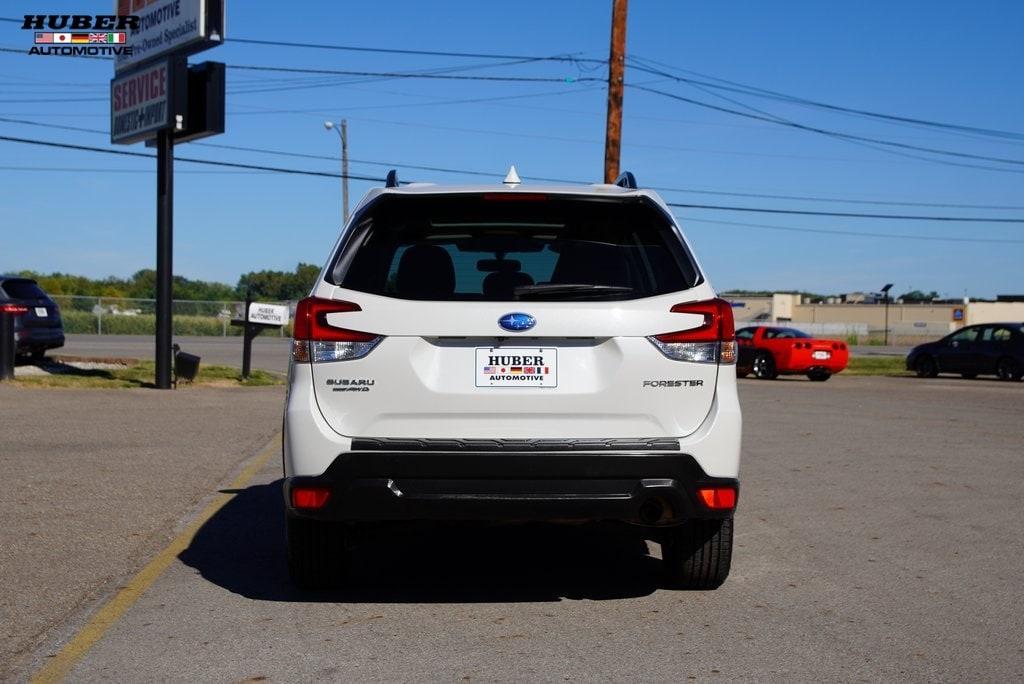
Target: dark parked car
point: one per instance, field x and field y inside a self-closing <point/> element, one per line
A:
<point x="985" y="349"/>
<point x="41" y="327"/>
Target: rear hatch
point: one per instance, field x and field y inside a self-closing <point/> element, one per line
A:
<point x="42" y="311"/>
<point x="487" y="317"/>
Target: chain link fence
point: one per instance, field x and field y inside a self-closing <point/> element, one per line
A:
<point x="127" y="316"/>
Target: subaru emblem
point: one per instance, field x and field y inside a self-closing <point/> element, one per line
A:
<point x="517" y="322"/>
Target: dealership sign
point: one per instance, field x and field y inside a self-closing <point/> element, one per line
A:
<point x="146" y="100"/>
<point x="183" y="27"/>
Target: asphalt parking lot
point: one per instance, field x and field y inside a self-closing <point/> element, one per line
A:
<point x="879" y="536"/>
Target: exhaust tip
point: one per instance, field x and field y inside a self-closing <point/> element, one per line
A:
<point x="651" y="511"/>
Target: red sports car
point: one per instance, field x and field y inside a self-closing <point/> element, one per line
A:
<point x="769" y="352"/>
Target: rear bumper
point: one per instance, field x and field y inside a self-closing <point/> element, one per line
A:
<point x="30" y="339"/>
<point x="805" y="363"/>
<point x="637" y="487"/>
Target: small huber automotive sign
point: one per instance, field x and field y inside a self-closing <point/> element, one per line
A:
<point x="268" y="314"/>
<point x="143" y="102"/>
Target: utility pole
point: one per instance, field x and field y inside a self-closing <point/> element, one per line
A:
<point x="616" y="73"/>
<point x="344" y="169"/>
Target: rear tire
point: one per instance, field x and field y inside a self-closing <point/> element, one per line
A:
<point x="1008" y="369"/>
<point x="925" y="367"/>
<point x="316" y="553"/>
<point x="698" y="554"/>
<point x="38" y="355"/>
<point x="764" y="366"/>
<point x="819" y="376"/>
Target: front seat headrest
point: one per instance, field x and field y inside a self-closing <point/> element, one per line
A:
<point x="425" y="272"/>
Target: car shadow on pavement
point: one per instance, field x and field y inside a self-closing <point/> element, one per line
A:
<point x="241" y="548"/>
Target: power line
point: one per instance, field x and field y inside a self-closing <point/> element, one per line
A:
<point x="463" y="77"/>
<point x="374" y="74"/>
<point x="854" y="233"/>
<point x="840" y="200"/>
<point x="127" y="153"/>
<point x="297" y="83"/>
<point x="900" y="153"/>
<point x="395" y="51"/>
<point x="731" y="86"/>
<point x="283" y="153"/>
<point x="741" y="88"/>
<point x="400" y="74"/>
<point x="841" y="214"/>
<point x="438" y="73"/>
<point x="336" y="175"/>
<point x="431" y="53"/>
<point x="585" y="141"/>
<point x="970" y="219"/>
<point x="823" y="131"/>
<point x="79" y="169"/>
<point x="490" y="174"/>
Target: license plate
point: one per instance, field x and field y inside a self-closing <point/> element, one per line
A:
<point x="516" y="367"/>
<point x="41" y="312"/>
<point x="822" y="355"/>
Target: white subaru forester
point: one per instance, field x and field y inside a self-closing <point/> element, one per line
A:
<point x="513" y="353"/>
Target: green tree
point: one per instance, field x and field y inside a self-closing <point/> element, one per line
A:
<point x="278" y="285"/>
<point x="918" y="296"/>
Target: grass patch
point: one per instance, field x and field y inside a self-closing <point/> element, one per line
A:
<point x="890" y="366"/>
<point x="142" y="374"/>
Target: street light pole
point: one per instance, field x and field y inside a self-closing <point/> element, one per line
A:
<point x="885" y="294"/>
<point x="342" y="128"/>
<point x="344" y="169"/>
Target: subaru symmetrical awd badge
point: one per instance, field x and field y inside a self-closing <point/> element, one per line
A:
<point x="517" y="322"/>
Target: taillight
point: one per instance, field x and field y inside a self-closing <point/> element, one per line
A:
<point x="315" y="340"/>
<point x="718" y="498"/>
<point x="14" y="309"/>
<point x="310" y="497"/>
<point x="713" y="341"/>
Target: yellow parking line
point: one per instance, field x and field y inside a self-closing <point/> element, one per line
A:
<point x="111" y="612"/>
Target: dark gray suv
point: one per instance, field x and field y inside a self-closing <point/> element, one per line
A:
<point x="41" y="327"/>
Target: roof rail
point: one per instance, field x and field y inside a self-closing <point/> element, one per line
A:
<point x="626" y="180"/>
<point x="392" y="179"/>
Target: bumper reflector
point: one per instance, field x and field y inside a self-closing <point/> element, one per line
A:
<point x="718" y="498"/>
<point x="310" y="497"/>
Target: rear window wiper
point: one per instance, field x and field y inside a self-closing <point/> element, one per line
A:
<point x="569" y="290"/>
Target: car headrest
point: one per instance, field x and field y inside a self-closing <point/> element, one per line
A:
<point x="592" y="263"/>
<point x="425" y="272"/>
<point x="502" y="284"/>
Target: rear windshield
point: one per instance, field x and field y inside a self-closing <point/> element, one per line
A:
<point x="785" y="333"/>
<point x="22" y="289"/>
<point x="491" y="248"/>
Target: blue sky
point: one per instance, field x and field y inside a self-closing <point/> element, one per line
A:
<point x="947" y="61"/>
